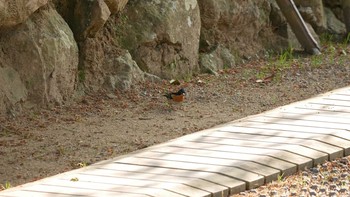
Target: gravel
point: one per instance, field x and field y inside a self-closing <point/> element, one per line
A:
<point x="329" y="179"/>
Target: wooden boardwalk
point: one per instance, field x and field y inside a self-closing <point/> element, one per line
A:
<point x="227" y="159"/>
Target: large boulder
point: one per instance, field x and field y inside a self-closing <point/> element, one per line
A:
<point x="216" y="59"/>
<point x="116" y="6"/>
<point x="334" y="25"/>
<point x="313" y="13"/>
<point x="41" y="57"/>
<point x="104" y="64"/>
<point x="89" y="18"/>
<point x="13" y="12"/>
<point x="162" y="36"/>
<point x="243" y="26"/>
<point x="123" y="72"/>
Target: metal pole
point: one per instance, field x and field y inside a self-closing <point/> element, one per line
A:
<point x="298" y="26"/>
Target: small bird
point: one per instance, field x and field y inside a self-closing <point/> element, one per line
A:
<point x="178" y="96"/>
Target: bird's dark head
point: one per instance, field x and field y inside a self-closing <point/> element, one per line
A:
<point x="181" y="91"/>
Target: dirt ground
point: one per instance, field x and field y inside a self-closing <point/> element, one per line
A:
<point x="38" y="144"/>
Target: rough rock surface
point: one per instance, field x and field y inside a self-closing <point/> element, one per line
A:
<point x="89" y="18"/>
<point x="219" y="58"/>
<point x="116" y="6"/>
<point x="41" y="57"/>
<point x="334" y="25"/>
<point x="165" y="38"/>
<point x="162" y="36"/>
<point x="124" y="72"/>
<point x="227" y="23"/>
<point x="313" y="13"/>
<point x="13" y="12"/>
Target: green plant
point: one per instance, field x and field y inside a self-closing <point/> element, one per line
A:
<point x="284" y="59"/>
<point x="316" y="61"/>
<point x="280" y="177"/>
<point x="326" y="38"/>
<point x="6" y="186"/>
<point x="81" y="164"/>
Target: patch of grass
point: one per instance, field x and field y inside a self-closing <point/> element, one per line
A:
<point x="316" y="61"/>
<point x="81" y="164"/>
<point x="284" y="59"/>
<point x="7" y="185"/>
<point x="280" y="177"/>
<point x="326" y="39"/>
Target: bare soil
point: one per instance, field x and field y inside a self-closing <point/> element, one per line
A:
<point x="45" y="142"/>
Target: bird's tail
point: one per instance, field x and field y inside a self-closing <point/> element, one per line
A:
<point x="167" y="95"/>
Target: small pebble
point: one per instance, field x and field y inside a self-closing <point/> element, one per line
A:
<point x="273" y="193"/>
<point x="333" y="193"/>
<point x="335" y="179"/>
<point x="313" y="193"/>
<point x="263" y="195"/>
<point x="253" y="191"/>
<point x="334" y="170"/>
<point x="315" y="170"/>
<point x="304" y="173"/>
<point x="343" y="190"/>
<point x="333" y="187"/>
<point x="304" y="189"/>
<point x="344" y="161"/>
<point x="293" y="193"/>
<point x="344" y="175"/>
<point x="294" y="185"/>
<point x="323" y="190"/>
<point x="314" y="187"/>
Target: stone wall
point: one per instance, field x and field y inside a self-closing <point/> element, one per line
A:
<point x="52" y="50"/>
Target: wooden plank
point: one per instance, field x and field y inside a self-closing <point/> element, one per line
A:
<point x="342" y="97"/>
<point x="311" y="112"/>
<point x="316" y="117"/>
<point x="57" y="190"/>
<point x="95" y="184"/>
<point x="214" y="189"/>
<point x="252" y="180"/>
<point x="325" y="108"/>
<point x="234" y="185"/>
<point x="332" y="102"/>
<point x="334" y="152"/>
<point x="300" y="135"/>
<point x="329" y="149"/>
<point x="24" y="193"/>
<point x="269" y="173"/>
<point x="247" y="161"/>
<point x="317" y="156"/>
<point x="302" y="122"/>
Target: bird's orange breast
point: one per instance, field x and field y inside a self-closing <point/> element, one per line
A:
<point x="178" y="98"/>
